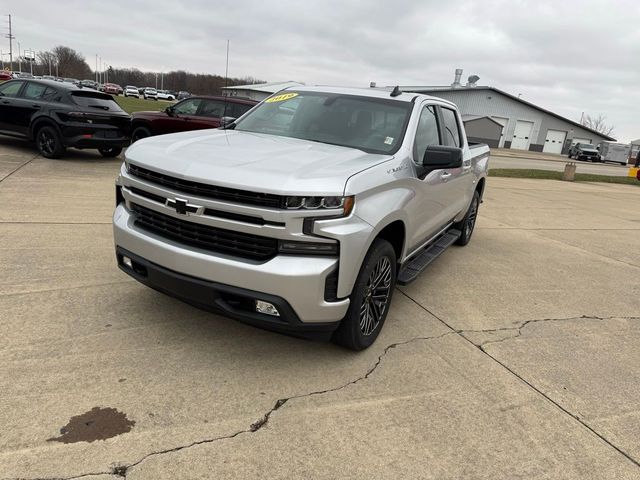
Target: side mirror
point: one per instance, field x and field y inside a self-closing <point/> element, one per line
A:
<point x="225" y="121"/>
<point x="438" y="156"/>
<point x="169" y="110"/>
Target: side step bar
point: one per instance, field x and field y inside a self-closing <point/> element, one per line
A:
<point x="415" y="266"/>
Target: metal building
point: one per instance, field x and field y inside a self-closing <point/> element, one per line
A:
<point x="258" y="91"/>
<point x="506" y="121"/>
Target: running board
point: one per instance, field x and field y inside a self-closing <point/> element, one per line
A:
<point x="415" y="267"/>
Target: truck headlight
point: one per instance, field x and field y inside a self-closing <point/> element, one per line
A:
<point x="321" y="203"/>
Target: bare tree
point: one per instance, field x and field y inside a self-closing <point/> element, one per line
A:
<point x="599" y="124"/>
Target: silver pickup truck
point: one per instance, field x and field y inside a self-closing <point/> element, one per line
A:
<point x="302" y="215"/>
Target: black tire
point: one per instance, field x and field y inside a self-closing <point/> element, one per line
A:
<point x="467" y="224"/>
<point x="110" y="152"/>
<point x="139" y="133"/>
<point x="49" y="142"/>
<point x="368" y="310"/>
<point x="569" y="154"/>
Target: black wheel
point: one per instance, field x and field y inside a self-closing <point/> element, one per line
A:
<point x="110" y="152"/>
<point x="139" y="133"/>
<point x="370" y="299"/>
<point x="467" y="224"/>
<point x="49" y="143"/>
<point x="569" y="154"/>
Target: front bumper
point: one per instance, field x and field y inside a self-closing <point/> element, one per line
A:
<point x="298" y="281"/>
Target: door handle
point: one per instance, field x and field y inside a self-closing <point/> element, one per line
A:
<point x="445" y="176"/>
<point x="6" y="102"/>
<point x="37" y="107"/>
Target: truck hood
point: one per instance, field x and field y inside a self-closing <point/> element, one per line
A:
<point x="591" y="151"/>
<point x="252" y="161"/>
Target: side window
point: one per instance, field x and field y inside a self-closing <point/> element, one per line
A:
<point x="34" y="91"/>
<point x="451" y="130"/>
<point x="211" y="108"/>
<point x="426" y="133"/>
<point x="51" y="95"/>
<point x="11" y="89"/>
<point x="188" y="107"/>
<point x="237" y="109"/>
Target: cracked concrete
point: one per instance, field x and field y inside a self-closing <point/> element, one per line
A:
<point x="515" y="357"/>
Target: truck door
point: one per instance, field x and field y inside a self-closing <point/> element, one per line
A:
<point x="460" y="180"/>
<point x="430" y="206"/>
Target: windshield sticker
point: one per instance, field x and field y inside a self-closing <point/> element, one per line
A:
<point x="388" y="140"/>
<point x="281" y="98"/>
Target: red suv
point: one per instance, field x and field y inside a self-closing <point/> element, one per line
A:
<point x="193" y="113"/>
<point x="5" y="75"/>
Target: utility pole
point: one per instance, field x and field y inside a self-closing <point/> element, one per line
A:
<point x="19" y="59"/>
<point x="10" y="37"/>
<point x="97" y="80"/>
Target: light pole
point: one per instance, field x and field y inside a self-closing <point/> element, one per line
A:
<point x="19" y="58"/>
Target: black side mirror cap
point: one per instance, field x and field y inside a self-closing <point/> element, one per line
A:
<point x="438" y="156"/>
<point x="169" y="110"/>
<point x="226" y="121"/>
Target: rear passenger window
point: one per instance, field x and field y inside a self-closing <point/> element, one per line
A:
<point x="426" y="133"/>
<point x="34" y="91"/>
<point x="451" y="130"/>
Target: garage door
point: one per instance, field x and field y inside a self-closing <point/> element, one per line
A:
<point x="522" y="135"/>
<point x="554" y="141"/>
<point x="502" y="121"/>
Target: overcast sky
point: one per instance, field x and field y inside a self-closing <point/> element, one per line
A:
<point x="569" y="56"/>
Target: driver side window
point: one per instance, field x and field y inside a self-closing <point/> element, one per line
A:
<point x="426" y="133"/>
<point x="188" y="107"/>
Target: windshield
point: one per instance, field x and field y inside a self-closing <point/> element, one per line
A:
<point x="587" y="146"/>
<point x="374" y="125"/>
<point x="96" y="101"/>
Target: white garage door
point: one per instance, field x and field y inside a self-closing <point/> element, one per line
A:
<point x="554" y="141"/>
<point x="502" y="121"/>
<point x="521" y="135"/>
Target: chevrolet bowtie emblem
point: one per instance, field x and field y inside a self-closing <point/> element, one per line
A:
<point x="183" y="207"/>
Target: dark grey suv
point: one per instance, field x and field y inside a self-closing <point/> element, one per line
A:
<point x="59" y="115"/>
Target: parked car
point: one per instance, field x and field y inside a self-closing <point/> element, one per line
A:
<point x="60" y="115"/>
<point x="584" y="151"/>
<point x="150" y="94"/>
<point x="183" y="95"/>
<point x="165" y="95"/>
<point x="131" y="91"/>
<point x="5" y="75"/>
<point x="303" y="214"/>
<point x="75" y="81"/>
<point x="89" y="84"/>
<point x="48" y="77"/>
<point x="194" y="113"/>
<point x="111" y="88"/>
<point x="22" y="75"/>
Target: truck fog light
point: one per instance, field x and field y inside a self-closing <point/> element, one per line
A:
<point x="127" y="262"/>
<point x="266" y="308"/>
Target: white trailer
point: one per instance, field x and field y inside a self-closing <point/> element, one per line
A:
<point x="614" y="152"/>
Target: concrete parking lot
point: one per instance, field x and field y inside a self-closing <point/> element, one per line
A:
<point x="514" y="357"/>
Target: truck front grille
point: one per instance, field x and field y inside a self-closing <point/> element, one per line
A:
<point x="208" y="191"/>
<point x="213" y="239"/>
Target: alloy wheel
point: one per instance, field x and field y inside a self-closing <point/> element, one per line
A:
<point x="471" y="219"/>
<point x="46" y="142"/>
<point x="376" y="297"/>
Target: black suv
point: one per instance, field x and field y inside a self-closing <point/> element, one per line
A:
<point x="59" y="115"/>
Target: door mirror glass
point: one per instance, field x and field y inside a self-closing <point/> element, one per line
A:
<point x="438" y="156"/>
<point x="169" y="110"/>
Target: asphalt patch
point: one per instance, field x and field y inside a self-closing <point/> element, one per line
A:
<point x="97" y="424"/>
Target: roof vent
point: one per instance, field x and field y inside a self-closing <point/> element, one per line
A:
<point x="456" y="82"/>
<point x="472" y="81"/>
